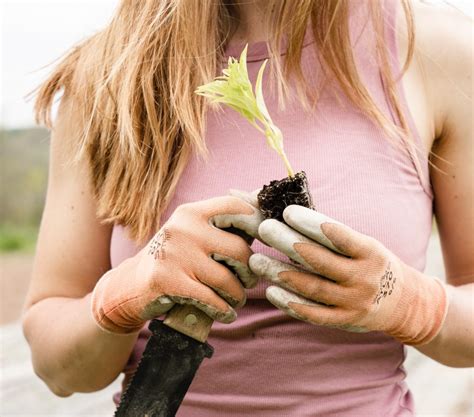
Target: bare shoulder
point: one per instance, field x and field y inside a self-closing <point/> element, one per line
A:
<point x="444" y="52"/>
<point x="443" y="31"/>
<point x="443" y="65"/>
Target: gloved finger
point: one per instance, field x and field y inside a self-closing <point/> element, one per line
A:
<point x="250" y="198"/>
<point x="351" y="242"/>
<point x="222" y="280"/>
<point x="218" y="212"/>
<point x="311" y="286"/>
<point x="157" y="307"/>
<point x="203" y="297"/>
<point x="227" y="211"/>
<point x="248" y="223"/>
<point x="308" y="222"/>
<point x="303" y="309"/>
<point x="311" y="255"/>
<point x="232" y="250"/>
<point x="242" y="270"/>
<point x="248" y="239"/>
<point x="326" y="231"/>
<point x="230" y="211"/>
<point x="220" y="205"/>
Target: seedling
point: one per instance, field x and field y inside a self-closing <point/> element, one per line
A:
<point x="235" y="90"/>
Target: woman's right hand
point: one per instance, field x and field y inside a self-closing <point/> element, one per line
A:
<point x="182" y="264"/>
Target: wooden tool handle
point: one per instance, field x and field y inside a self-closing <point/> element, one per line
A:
<point x="190" y="321"/>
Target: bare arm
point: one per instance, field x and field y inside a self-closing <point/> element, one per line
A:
<point x="69" y="351"/>
<point x="445" y="57"/>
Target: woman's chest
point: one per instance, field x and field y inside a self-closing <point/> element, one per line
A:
<point x="356" y="176"/>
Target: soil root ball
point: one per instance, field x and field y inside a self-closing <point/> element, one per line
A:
<point x="276" y="196"/>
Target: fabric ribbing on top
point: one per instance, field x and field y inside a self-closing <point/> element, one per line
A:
<point x="267" y="363"/>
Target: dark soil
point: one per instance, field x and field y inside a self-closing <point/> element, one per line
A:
<point x="276" y="196"/>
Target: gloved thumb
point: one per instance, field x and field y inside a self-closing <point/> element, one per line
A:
<point x="250" y="198"/>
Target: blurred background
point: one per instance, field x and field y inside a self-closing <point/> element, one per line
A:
<point x="33" y="35"/>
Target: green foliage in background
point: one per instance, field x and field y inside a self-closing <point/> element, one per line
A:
<point x="23" y="171"/>
<point x="17" y="238"/>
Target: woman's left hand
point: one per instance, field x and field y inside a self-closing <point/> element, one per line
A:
<point x="347" y="280"/>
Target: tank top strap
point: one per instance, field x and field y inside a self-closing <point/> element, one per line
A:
<point x="391" y="9"/>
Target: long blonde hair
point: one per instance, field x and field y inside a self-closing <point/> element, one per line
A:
<point x="133" y="84"/>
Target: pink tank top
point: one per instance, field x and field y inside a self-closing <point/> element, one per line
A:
<point x="267" y="363"/>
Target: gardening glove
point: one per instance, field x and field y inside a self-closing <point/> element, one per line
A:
<point x="344" y="279"/>
<point x="182" y="264"/>
<point x="251" y="198"/>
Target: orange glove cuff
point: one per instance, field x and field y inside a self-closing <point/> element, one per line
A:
<point x="422" y="308"/>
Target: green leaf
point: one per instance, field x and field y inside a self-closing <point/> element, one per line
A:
<point x="259" y="94"/>
<point x="234" y="89"/>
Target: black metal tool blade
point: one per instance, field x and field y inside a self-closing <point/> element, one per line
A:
<point x="164" y="374"/>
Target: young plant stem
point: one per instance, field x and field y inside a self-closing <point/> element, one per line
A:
<point x="234" y="89"/>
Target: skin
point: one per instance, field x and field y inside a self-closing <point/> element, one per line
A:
<point x="72" y="254"/>
<point x="442" y="110"/>
<point x="75" y="355"/>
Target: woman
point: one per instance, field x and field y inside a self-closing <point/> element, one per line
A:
<point x="125" y="165"/>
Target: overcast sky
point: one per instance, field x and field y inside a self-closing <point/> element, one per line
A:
<point x="36" y="32"/>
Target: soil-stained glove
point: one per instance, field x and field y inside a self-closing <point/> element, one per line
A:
<point x="179" y="265"/>
<point x="347" y="280"/>
<point x="251" y="198"/>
